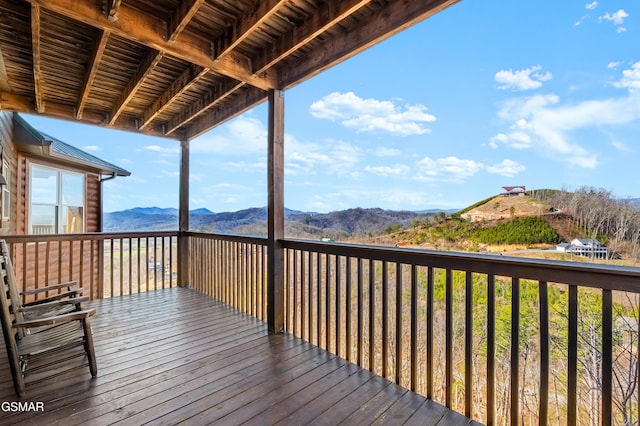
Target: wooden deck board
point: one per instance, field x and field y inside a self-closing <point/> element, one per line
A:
<point x="173" y="356"/>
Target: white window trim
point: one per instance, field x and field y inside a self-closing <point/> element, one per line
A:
<point x="58" y="204"/>
<point x="6" y="189"/>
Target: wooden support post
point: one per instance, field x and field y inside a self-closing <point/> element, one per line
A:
<point x="183" y="216"/>
<point x="275" y="179"/>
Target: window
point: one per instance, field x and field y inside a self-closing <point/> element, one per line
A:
<point x="6" y="192"/>
<point x="57" y="201"/>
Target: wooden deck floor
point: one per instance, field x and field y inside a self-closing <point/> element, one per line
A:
<point x="175" y="356"/>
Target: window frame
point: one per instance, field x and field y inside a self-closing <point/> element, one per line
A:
<point x="59" y="202"/>
<point x="6" y="191"/>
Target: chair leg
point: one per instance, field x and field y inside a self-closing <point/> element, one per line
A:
<point x="88" y="347"/>
<point x="17" y="373"/>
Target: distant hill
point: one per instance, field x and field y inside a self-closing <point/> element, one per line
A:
<point x="436" y="211"/>
<point x="253" y="221"/>
<point x="502" y="207"/>
<point x="199" y="212"/>
<point x="153" y="211"/>
<point x="498" y="221"/>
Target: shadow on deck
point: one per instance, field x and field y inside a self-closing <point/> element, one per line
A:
<point x="174" y="355"/>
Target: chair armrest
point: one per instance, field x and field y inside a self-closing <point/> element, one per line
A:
<point x="72" y="295"/>
<point x="54" y="303"/>
<point x="53" y="287"/>
<point x="58" y="319"/>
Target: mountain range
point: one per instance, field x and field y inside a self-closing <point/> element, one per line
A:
<point x="253" y="221"/>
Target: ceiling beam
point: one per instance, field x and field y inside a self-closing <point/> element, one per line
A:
<point x="387" y="21"/>
<point x="37" y="58"/>
<point x="211" y="98"/>
<point x="329" y="14"/>
<point x="92" y="70"/>
<point x="180" y="85"/>
<point x="249" y="98"/>
<point x="4" y="78"/>
<point x="111" y="9"/>
<point x="12" y="102"/>
<point x="150" y="31"/>
<point x="181" y="17"/>
<point x="22" y="104"/>
<point x="144" y="69"/>
<point x="247" y="24"/>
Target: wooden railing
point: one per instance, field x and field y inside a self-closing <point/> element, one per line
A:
<point x="502" y="340"/>
<point x="444" y="325"/>
<point x="105" y="265"/>
<point x="231" y="269"/>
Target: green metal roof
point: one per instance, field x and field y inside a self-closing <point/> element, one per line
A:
<point x="63" y="151"/>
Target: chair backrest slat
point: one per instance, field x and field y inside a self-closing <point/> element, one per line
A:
<point x="7" y="318"/>
<point x="9" y="280"/>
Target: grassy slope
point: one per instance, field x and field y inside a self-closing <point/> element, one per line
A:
<point x="491" y="225"/>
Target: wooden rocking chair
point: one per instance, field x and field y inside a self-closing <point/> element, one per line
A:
<point x="42" y="333"/>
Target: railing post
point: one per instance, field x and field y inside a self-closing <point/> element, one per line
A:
<point x="183" y="216"/>
<point x="100" y="268"/>
<point x="275" y="179"/>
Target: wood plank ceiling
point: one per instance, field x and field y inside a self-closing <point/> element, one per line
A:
<point x="177" y="68"/>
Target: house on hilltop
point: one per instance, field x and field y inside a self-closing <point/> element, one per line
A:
<point x="583" y="247"/>
<point x="49" y="186"/>
<point x="514" y="190"/>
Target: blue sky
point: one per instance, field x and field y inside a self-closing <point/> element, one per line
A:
<point x="483" y="95"/>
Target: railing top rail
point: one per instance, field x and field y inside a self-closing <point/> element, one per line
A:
<point x="249" y="239"/>
<point x="609" y="277"/>
<point x="86" y="236"/>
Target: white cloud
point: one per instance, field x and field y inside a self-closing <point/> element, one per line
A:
<point x="619" y="145"/>
<point x="525" y="79"/>
<point x="389" y="198"/>
<point x="332" y="157"/>
<point x="617" y="18"/>
<point x="242" y="136"/>
<point x="613" y="65"/>
<point x="247" y="136"/>
<point x="387" y="152"/>
<point x="630" y="78"/>
<point x="451" y="169"/>
<point x="516" y="140"/>
<point x="395" y="170"/>
<point x="336" y="200"/>
<point x="163" y="151"/>
<point x="506" y="168"/>
<point x="259" y="166"/>
<point x="167" y="173"/>
<point x="372" y="115"/>
<point x="91" y="148"/>
<point x="228" y="196"/>
<point x="588" y="6"/>
<point x="543" y="123"/>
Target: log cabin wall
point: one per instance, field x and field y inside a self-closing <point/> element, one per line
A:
<point x="9" y="157"/>
<point x="22" y="194"/>
<point x="92" y="202"/>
